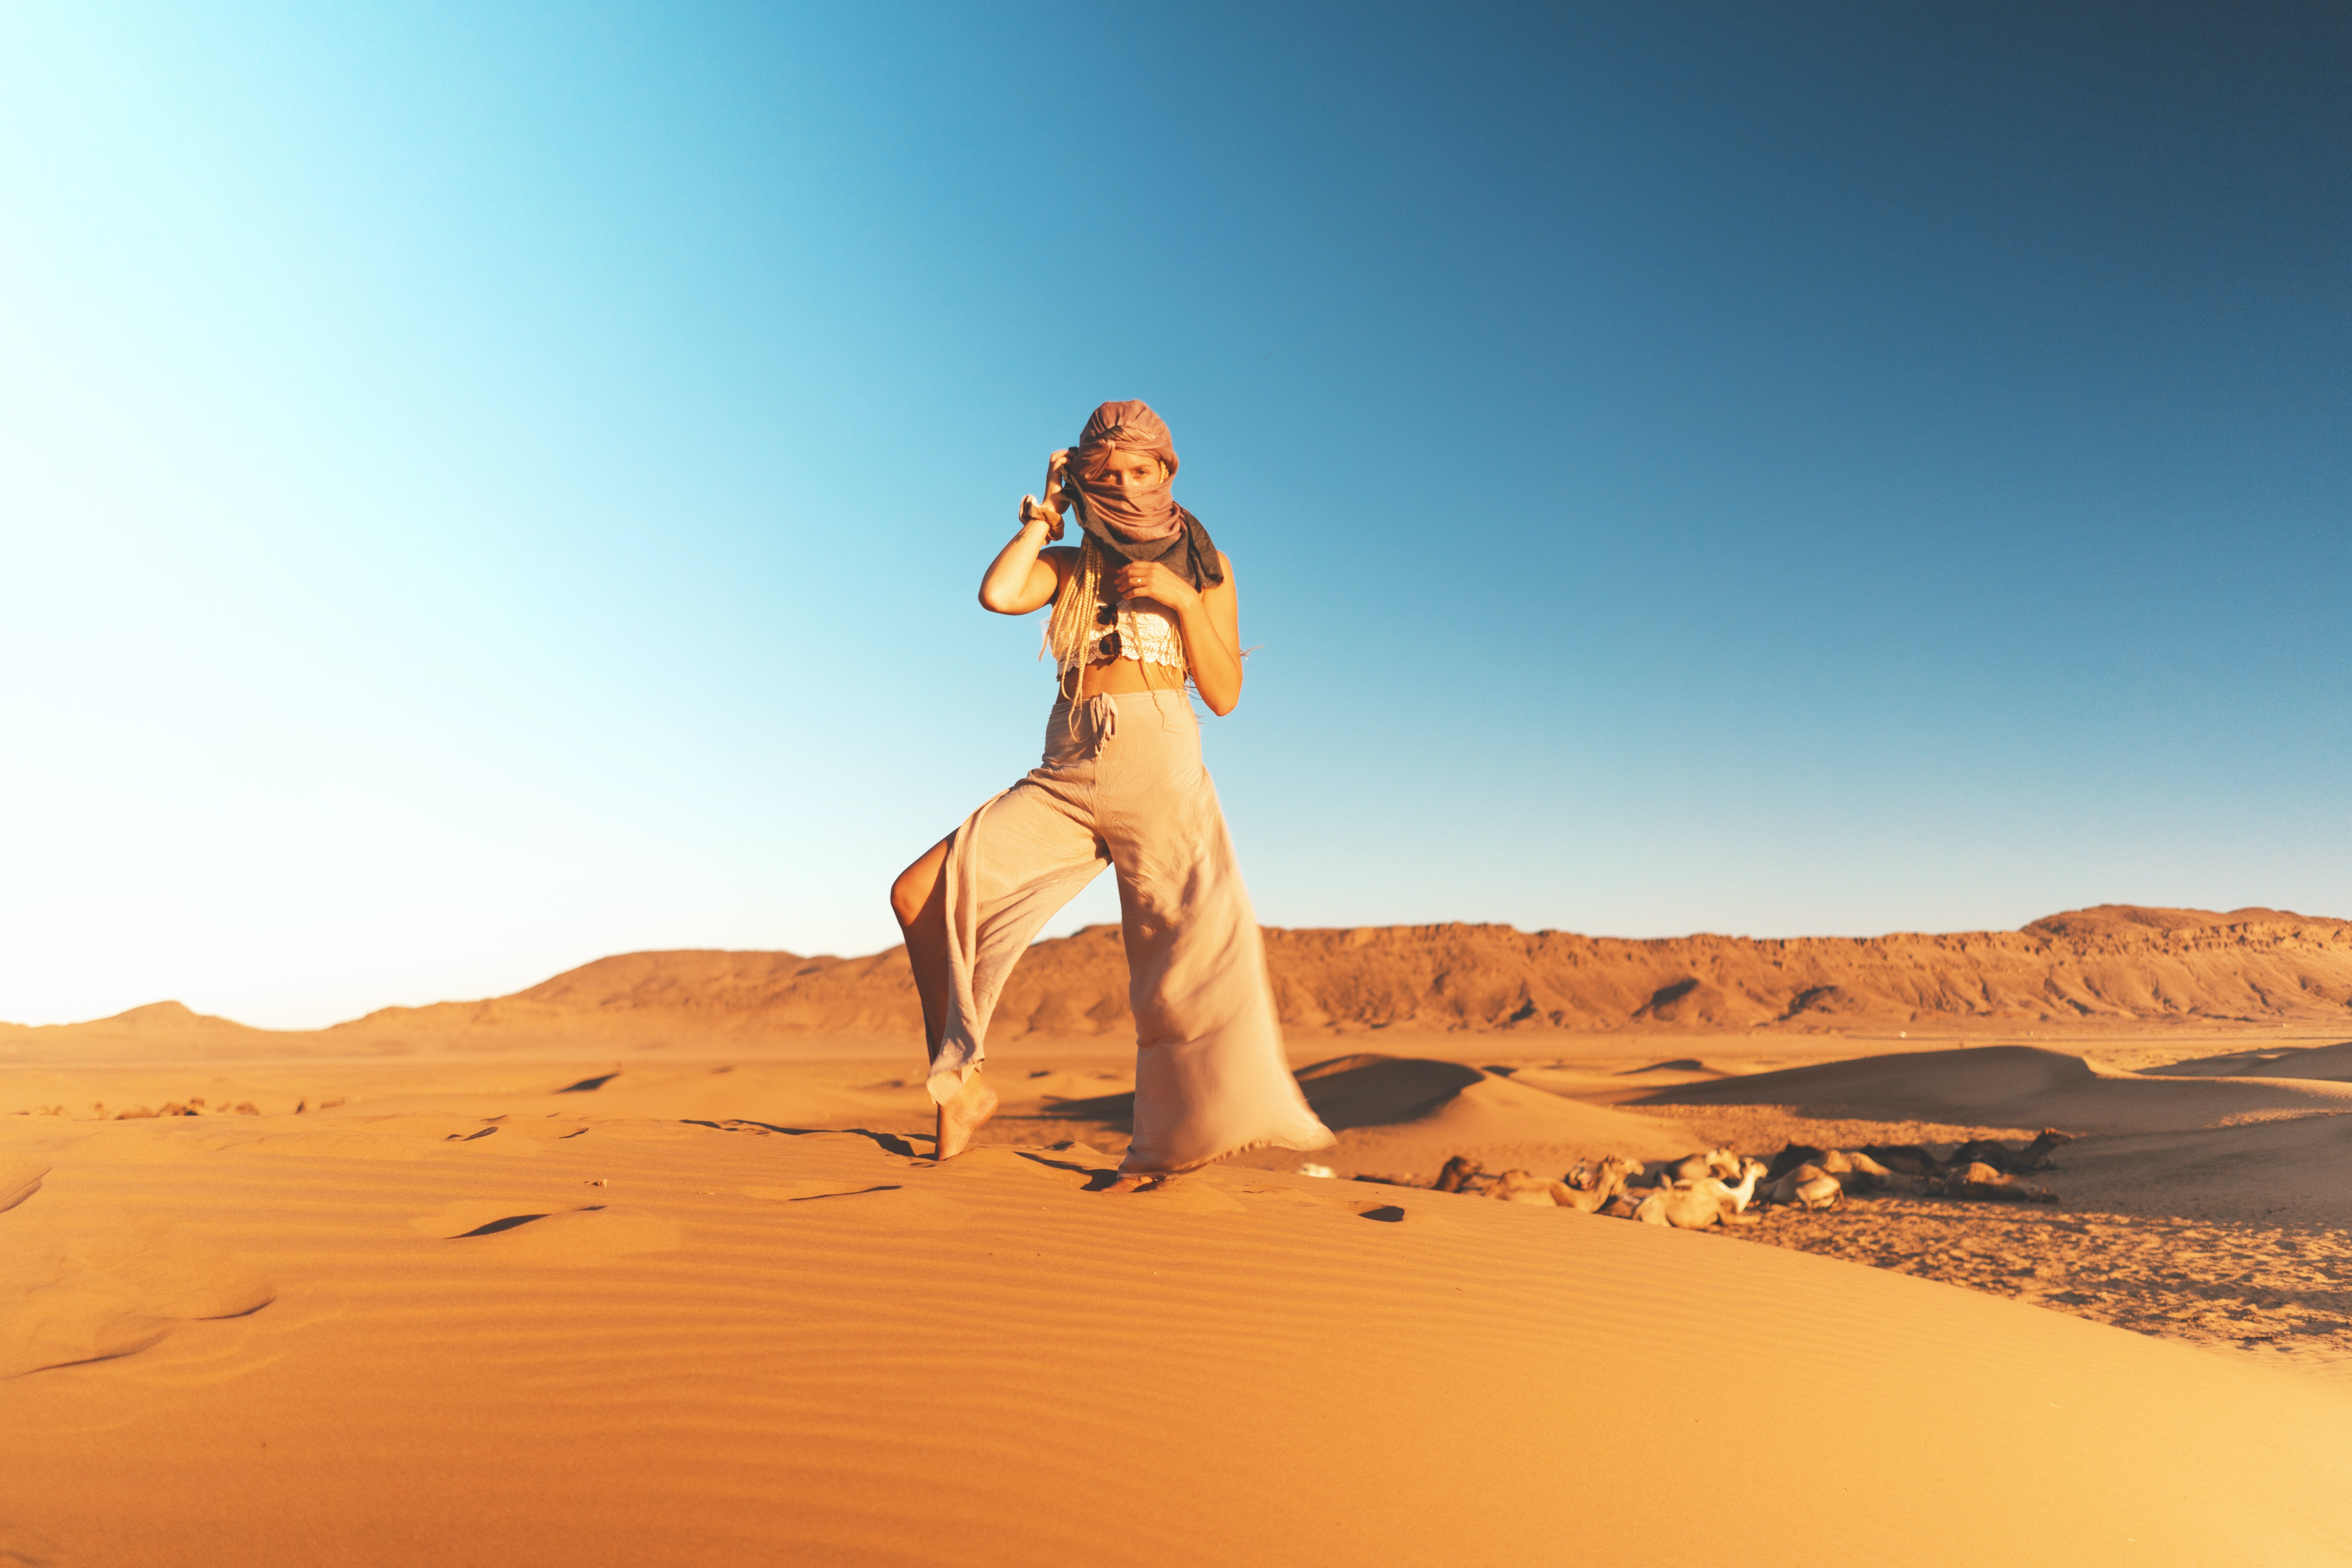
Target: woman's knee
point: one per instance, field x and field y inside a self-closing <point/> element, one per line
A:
<point x="913" y="890"/>
<point x="908" y="893"/>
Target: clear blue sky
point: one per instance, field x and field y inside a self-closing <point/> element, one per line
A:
<point x="487" y="485"/>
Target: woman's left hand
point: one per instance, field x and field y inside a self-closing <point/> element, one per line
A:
<point x="1150" y="580"/>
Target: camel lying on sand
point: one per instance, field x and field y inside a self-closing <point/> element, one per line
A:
<point x="1598" y="1186"/>
<point x="1457" y="1175"/>
<point x="1524" y="1187"/>
<point x="1695" y="1205"/>
<point x="1905" y="1159"/>
<point x="1801" y="1175"/>
<point x="1718" y="1161"/>
<point x="1853" y="1171"/>
<point x="1808" y="1187"/>
<point x="1857" y="1169"/>
<point x="1607" y="1180"/>
<point x="2034" y="1156"/>
<point x="1750" y="1173"/>
<point x="1911" y="1160"/>
<point x="1981" y="1182"/>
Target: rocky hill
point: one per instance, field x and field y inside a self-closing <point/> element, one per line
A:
<point x="2114" y="964"/>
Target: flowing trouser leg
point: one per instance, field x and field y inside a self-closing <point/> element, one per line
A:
<point x="1014" y="862"/>
<point x="1210" y="1076"/>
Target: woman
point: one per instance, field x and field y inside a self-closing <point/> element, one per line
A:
<point x="1146" y="603"/>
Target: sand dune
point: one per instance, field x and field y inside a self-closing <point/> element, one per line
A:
<point x="2107" y="966"/>
<point x="2327" y="1062"/>
<point x="2287" y="1171"/>
<point x="1400" y="1117"/>
<point x="1500" y="1124"/>
<point x="594" y="1336"/>
<point x="2013" y="1085"/>
<point x="2191" y="1147"/>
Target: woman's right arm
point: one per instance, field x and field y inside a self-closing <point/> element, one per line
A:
<point x="1025" y="576"/>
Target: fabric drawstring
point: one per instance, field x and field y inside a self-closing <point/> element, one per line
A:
<point x="1101" y="713"/>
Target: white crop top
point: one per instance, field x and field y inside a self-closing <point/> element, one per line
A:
<point x="1150" y="637"/>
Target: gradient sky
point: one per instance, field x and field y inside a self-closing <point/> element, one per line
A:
<point x="486" y="487"/>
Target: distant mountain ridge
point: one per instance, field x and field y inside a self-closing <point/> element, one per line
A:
<point x="2114" y="963"/>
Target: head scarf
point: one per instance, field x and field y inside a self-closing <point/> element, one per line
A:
<point x="1122" y="517"/>
<point x="1144" y="524"/>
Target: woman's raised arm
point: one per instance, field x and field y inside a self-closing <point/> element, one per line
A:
<point x="1021" y="579"/>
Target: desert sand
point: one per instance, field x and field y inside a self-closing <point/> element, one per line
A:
<point x="634" y="1269"/>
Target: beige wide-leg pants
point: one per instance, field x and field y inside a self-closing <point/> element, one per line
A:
<point x="1123" y="784"/>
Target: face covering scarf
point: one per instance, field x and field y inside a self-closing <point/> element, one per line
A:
<point x="1145" y="523"/>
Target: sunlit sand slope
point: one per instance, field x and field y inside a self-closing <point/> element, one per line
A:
<point x="2006" y="1084"/>
<point x="755" y="1346"/>
<point x="1407" y="1116"/>
<point x="2331" y="1062"/>
<point x="2245" y="1149"/>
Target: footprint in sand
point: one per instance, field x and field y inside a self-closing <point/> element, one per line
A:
<point x="19" y="1179"/>
<point x="801" y="1190"/>
<point x="884" y="1206"/>
<point x="975" y="1166"/>
<point x="529" y="1233"/>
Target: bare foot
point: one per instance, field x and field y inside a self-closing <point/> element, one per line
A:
<point x="1134" y="1183"/>
<point x="959" y="1118"/>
